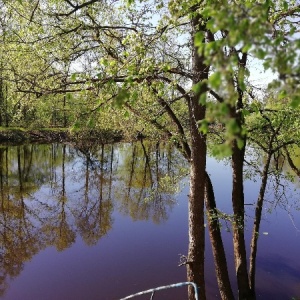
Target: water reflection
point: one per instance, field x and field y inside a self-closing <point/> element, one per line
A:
<point x="146" y="186"/>
<point x="58" y="196"/>
<point x="51" y="194"/>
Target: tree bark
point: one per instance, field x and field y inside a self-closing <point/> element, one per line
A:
<point x="195" y="264"/>
<point x="238" y="224"/>
<point x="195" y="260"/>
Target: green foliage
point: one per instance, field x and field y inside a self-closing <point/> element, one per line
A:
<point x="222" y="150"/>
<point x="295" y="101"/>
<point x="215" y="80"/>
<point x="122" y="96"/>
<point x="140" y="66"/>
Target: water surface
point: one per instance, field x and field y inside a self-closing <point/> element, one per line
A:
<point x="104" y="222"/>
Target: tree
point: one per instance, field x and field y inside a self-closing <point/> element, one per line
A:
<point x="168" y="64"/>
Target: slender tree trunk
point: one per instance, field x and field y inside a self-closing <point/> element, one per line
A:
<point x="6" y="107"/>
<point x="217" y="242"/>
<point x="1" y="97"/>
<point x="2" y="178"/>
<point x="64" y="111"/>
<point x="238" y="225"/>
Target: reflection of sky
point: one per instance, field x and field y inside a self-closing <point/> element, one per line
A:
<point x="138" y="255"/>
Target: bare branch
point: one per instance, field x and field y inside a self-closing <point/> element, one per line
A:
<point x="33" y="12"/>
<point x="76" y="7"/>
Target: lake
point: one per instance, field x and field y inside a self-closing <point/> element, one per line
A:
<point x="107" y="221"/>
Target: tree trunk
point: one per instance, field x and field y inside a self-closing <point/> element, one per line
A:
<point x="240" y="257"/>
<point x="195" y="261"/>
<point x="1" y="98"/>
<point x="217" y="242"/>
<point x="195" y="265"/>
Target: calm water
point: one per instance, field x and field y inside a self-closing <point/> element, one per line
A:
<point x="108" y="221"/>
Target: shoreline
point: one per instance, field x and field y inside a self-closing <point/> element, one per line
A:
<point x="62" y="135"/>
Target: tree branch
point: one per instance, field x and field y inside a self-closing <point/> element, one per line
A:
<point x="76" y="7"/>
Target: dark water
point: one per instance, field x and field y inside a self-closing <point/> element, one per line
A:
<point x="109" y="221"/>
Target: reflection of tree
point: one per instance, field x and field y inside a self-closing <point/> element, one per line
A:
<point x="23" y="170"/>
<point x="51" y="192"/>
<point x="149" y="180"/>
<point x="273" y="145"/>
<point x="19" y="238"/>
<point x="58" y="230"/>
<point x="94" y="217"/>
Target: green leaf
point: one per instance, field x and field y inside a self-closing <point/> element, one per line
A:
<point x="267" y="64"/>
<point x="246" y="48"/>
<point x="282" y="94"/>
<point x="202" y="99"/>
<point x="241" y="79"/>
<point x="126" y="114"/>
<point x="240" y="143"/>
<point x="232" y="127"/>
<point x="69" y="96"/>
<point x="215" y="80"/>
<point x="166" y="68"/>
<point x="212" y="26"/>
<point x="129" y="2"/>
<point x="204" y="126"/>
<point x="295" y="101"/>
<point x="104" y="61"/>
<point x="75" y="127"/>
<point x="224" y="109"/>
<point x="122" y="96"/>
<point x="222" y="151"/>
<point x="196" y="88"/>
<point x="246" y="112"/>
<point x="73" y="77"/>
<point x="260" y="53"/>
<point x="199" y="37"/>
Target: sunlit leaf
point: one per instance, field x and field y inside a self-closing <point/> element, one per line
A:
<point x="222" y="151"/>
<point x="196" y="87"/>
<point x="295" y="101"/>
<point x="202" y="99"/>
<point x="215" y="80"/>
<point x="199" y="37"/>
<point x="240" y="143"/>
<point x="204" y="126"/>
